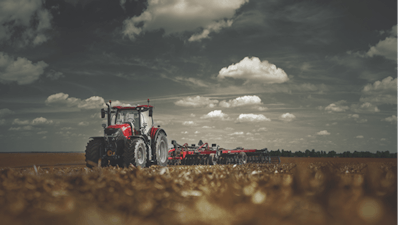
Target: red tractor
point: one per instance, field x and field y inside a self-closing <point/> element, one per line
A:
<point x="129" y="138"/>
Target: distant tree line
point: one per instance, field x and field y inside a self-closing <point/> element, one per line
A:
<point x="348" y="154"/>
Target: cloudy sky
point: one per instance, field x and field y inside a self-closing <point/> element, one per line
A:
<point x="278" y="74"/>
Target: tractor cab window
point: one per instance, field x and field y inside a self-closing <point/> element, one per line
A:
<point x="113" y="115"/>
<point x="128" y="115"/>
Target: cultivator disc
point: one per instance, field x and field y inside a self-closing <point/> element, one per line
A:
<point x="197" y="160"/>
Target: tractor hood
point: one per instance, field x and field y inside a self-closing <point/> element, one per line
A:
<point x="113" y="129"/>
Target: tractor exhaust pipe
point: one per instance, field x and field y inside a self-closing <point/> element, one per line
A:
<point x="103" y="113"/>
<point x="109" y="114"/>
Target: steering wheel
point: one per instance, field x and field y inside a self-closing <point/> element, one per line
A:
<point x="130" y="120"/>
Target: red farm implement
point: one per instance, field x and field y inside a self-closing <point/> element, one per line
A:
<point x="203" y="154"/>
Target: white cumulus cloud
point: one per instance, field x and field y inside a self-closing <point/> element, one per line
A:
<point x="41" y="121"/>
<point x="241" y="101"/>
<point x="323" y="133"/>
<point x="391" y="119"/>
<point x="24" y="128"/>
<point x="360" y="137"/>
<point x="188" y="123"/>
<point x="118" y="103"/>
<point x="94" y="102"/>
<point x="337" y="106"/>
<point x="386" y="48"/>
<point x="252" y="118"/>
<point x="20" y="122"/>
<point x="83" y="124"/>
<point x="287" y="117"/>
<point x="63" y="100"/>
<point x="381" y="92"/>
<point x="387" y="84"/>
<point x="364" y="107"/>
<point x="20" y="70"/>
<point x="357" y="118"/>
<point x="254" y="70"/>
<point x="237" y="133"/>
<point x="197" y="101"/>
<point x="216" y="114"/>
<point x="26" y="125"/>
<point x="176" y="16"/>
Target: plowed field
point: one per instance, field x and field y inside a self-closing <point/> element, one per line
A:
<point x="298" y="191"/>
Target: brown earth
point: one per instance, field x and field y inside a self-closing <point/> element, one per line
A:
<point x="298" y="191"/>
<point x="41" y="159"/>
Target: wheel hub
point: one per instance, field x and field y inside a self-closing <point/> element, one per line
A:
<point x="110" y="152"/>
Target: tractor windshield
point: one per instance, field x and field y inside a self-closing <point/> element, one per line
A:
<point x="127" y="115"/>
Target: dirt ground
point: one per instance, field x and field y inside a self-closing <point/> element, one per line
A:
<point x="41" y="159"/>
<point x="59" y="189"/>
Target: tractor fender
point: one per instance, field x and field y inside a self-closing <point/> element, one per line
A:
<point x="158" y="131"/>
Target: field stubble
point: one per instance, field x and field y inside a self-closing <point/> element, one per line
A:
<point x="298" y="191"/>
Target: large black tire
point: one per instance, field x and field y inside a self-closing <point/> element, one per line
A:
<point x="135" y="152"/>
<point x="93" y="153"/>
<point x="162" y="149"/>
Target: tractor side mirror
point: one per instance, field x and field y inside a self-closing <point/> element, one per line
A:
<point x="151" y="112"/>
<point x="103" y="113"/>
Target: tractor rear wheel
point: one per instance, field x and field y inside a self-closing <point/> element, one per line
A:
<point x="135" y="153"/>
<point x="162" y="149"/>
<point x="93" y="153"/>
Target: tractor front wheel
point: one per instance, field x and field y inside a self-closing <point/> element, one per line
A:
<point x="162" y="149"/>
<point x="135" y="153"/>
<point x="93" y="153"/>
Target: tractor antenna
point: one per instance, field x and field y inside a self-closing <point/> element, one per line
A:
<point x="148" y="102"/>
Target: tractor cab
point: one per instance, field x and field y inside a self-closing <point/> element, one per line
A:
<point x="138" y="119"/>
